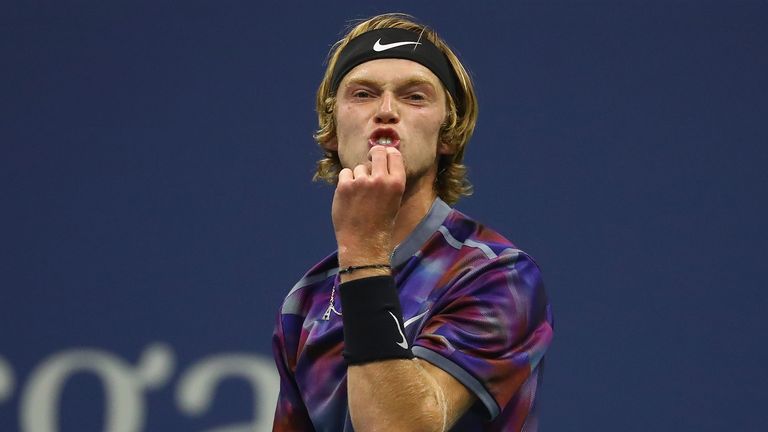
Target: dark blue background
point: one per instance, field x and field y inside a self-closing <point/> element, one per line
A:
<point x="155" y="166"/>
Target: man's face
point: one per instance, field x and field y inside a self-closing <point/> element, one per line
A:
<point x="391" y="102"/>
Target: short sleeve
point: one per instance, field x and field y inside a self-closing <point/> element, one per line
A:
<point x="490" y="328"/>
<point x="290" y="413"/>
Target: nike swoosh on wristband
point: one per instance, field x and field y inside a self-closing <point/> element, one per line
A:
<point x="414" y="319"/>
<point x="378" y="46"/>
<point x="403" y="344"/>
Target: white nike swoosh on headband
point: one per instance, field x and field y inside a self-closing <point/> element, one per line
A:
<point x="378" y="46"/>
<point x="403" y="344"/>
<point x="414" y="319"/>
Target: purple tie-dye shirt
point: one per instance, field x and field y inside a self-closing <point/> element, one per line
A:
<point x="473" y="305"/>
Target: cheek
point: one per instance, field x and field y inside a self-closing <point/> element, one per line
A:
<point x="347" y="122"/>
<point x="430" y="125"/>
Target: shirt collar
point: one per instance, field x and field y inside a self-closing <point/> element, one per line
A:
<point x="423" y="231"/>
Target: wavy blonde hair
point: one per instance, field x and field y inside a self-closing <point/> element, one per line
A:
<point x="451" y="182"/>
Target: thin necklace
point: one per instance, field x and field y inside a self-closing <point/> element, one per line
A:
<point x="331" y="308"/>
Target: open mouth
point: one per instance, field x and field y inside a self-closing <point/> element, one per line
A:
<point x="384" y="137"/>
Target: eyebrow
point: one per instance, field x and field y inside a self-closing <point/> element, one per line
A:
<point x="410" y="82"/>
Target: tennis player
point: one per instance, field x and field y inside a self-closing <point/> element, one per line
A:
<point x="422" y="319"/>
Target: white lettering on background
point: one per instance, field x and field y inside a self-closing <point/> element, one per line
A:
<point x="124" y="386"/>
<point x="197" y="387"/>
<point x="7" y="381"/>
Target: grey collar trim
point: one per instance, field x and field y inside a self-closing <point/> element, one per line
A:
<point x="423" y="231"/>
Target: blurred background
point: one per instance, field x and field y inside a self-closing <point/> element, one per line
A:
<point x="156" y="202"/>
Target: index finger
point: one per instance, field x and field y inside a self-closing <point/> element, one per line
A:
<point x="378" y="157"/>
<point x="395" y="161"/>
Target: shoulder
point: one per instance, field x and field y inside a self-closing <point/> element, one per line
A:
<point x="480" y="247"/>
<point x="300" y="297"/>
<point x="488" y="268"/>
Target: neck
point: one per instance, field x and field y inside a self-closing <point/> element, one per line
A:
<point x="415" y="204"/>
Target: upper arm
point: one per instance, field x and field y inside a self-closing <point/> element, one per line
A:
<point x="488" y="332"/>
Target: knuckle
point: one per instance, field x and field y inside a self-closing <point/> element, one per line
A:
<point x="343" y="186"/>
<point x="391" y="184"/>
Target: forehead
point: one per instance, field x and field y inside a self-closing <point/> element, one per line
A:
<point x="392" y="72"/>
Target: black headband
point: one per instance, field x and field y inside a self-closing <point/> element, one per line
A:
<point x="400" y="44"/>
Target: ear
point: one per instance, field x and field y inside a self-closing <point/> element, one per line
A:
<point x="444" y="148"/>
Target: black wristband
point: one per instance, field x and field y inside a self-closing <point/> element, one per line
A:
<point x="373" y="321"/>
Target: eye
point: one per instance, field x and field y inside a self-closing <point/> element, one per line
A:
<point x="416" y="97"/>
<point x="361" y="94"/>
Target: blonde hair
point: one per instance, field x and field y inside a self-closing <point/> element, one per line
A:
<point x="451" y="182"/>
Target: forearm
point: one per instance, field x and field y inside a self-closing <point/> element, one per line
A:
<point x="387" y="388"/>
<point x="395" y="395"/>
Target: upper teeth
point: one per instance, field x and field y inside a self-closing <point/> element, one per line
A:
<point x="384" y="141"/>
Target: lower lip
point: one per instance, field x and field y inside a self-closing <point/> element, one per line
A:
<point x="395" y="143"/>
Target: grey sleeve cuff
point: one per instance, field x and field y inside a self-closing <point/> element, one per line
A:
<point x="461" y="375"/>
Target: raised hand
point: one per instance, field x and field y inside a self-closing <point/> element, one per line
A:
<point x="365" y="205"/>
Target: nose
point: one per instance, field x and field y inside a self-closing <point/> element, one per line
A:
<point x="387" y="110"/>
